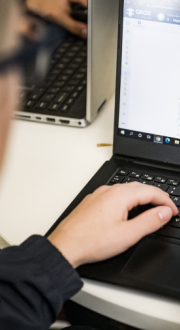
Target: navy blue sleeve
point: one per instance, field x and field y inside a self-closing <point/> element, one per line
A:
<point x="35" y="280"/>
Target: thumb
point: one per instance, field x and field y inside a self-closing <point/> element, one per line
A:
<point x="147" y="223"/>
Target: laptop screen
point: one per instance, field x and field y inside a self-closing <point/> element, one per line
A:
<point x="149" y="106"/>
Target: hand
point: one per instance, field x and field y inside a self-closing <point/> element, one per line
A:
<point x="98" y="228"/>
<point x="59" y="11"/>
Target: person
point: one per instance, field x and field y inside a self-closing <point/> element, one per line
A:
<point x="39" y="275"/>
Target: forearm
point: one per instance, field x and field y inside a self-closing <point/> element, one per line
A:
<point x="35" y="280"/>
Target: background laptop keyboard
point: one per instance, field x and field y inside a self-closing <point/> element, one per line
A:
<point x="65" y="81"/>
<point x="169" y="185"/>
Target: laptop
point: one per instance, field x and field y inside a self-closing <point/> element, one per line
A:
<point x="82" y="73"/>
<point x="146" y="142"/>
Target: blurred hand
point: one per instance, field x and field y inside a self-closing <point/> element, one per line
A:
<point x="59" y="11"/>
<point x="29" y="27"/>
<point x="98" y="228"/>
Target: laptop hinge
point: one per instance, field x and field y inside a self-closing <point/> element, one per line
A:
<point x="155" y="164"/>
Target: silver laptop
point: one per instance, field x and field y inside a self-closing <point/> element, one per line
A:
<point x="82" y="73"/>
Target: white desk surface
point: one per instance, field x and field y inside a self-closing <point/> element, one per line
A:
<point x="45" y="168"/>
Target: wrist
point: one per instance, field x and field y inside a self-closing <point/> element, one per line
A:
<point x="67" y="249"/>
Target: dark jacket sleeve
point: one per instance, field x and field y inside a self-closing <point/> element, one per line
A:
<point x="35" y="280"/>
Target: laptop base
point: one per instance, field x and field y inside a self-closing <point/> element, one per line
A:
<point x="56" y="120"/>
<point x="135" y="267"/>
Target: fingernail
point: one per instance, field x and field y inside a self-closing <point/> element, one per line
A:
<point x="84" y="32"/>
<point x="165" y="214"/>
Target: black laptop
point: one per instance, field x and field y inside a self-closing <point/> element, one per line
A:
<point x="146" y="141"/>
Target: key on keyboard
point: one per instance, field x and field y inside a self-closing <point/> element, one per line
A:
<point x="65" y="81"/>
<point x="170" y="185"/>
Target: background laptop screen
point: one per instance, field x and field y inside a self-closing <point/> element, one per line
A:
<point x="150" y="72"/>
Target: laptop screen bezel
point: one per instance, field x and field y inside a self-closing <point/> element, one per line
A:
<point x="124" y="146"/>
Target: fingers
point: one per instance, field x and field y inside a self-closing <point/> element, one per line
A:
<point x="29" y="28"/>
<point x="76" y="27"/>
<point x="139" y="194"/>
<point x="60" y="12"/>
<point x="145" y="224"/>
<point x="84" y="3"/>
<point x="73" y="26"/>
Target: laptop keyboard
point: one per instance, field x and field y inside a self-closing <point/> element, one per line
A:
<point x="65" y="81"/>
<point x="169" y="185"/>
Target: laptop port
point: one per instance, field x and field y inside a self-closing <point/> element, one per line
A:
<point x="23" y="116"/>
<point x="64" y="121"/>
<point x="38" y="118"/>
<point x="51" y="119"/>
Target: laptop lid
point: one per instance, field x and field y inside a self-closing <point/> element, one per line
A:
<point x="102" y="53"/>
<point x="147" y="110"/>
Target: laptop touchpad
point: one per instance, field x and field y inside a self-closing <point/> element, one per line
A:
<point x="155" y="262"/>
